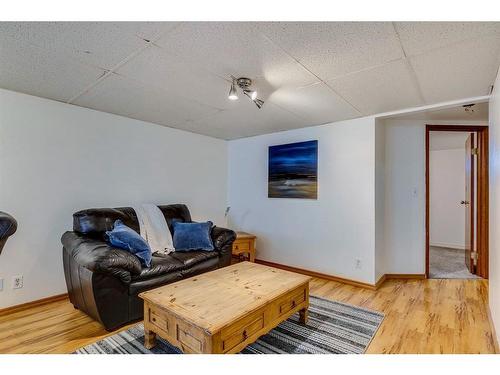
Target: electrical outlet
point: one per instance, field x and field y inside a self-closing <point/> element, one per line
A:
<point x="358" y="264"/>
<point x="17" y="282"/>
<point x="1" y="285"/>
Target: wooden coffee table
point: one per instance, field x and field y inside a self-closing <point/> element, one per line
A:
<point x="224" y="310"/>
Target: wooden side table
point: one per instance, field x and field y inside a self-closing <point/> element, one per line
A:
<point x="244" y="244"/>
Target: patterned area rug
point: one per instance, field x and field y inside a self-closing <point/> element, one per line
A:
<point x="332" y="328"/>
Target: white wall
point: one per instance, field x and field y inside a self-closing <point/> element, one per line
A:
<point x="447" y="189"/>
<point x="405" y="196"/>
<point x="380" y="175"/>
<point x="326" y="235"/>
<point x="56" y="159"/>
<point x="494" y="258"/>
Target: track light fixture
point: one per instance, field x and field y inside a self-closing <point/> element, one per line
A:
<point x="259" y="103"/>
<point x="244" y="84"/>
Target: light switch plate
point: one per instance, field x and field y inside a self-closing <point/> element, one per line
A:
<point x="1" y="285"/>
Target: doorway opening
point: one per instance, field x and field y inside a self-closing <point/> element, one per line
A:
<point x="456" y="201"/>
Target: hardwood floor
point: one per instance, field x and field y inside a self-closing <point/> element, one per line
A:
<point x="421" y="316"/>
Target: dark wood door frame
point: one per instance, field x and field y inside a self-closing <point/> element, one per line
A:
<point x="482" y="215"/>
<point x="470" y="200"/>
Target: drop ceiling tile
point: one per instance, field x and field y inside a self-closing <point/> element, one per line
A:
<point x="122" y="96"/>
<point x="157" y="67"/>
<point x="332" y="49"/>
<point x="317" y="104"/>
<point x="459" y="71"/>
<point x="32" y="70"/>
<point x="112" y="95"/>
<point x="385" y="88"/>
<point x="247" y="120"/>
<point x="100" y="44"/>
<point x="420" y="37"/>
<point x="236" y="48"/>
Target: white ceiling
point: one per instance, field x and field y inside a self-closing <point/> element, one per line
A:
<point x="309" y="73"/>
<point x="447" y="140"/>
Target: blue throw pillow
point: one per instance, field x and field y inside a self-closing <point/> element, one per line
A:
<point x="128" y="239"/>
<point x="192" y="236"/>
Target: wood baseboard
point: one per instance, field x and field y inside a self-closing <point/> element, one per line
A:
<point x="27" y="305"/>
<point x="361" y="284"/>
<point x="415" y="276"/>
<point x="343" y="280"/>
<point x="380" y="281"/>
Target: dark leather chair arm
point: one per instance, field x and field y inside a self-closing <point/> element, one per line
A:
<point x="98" y="256"/>
<point x="223" y="242"/>
<point x="8" y="226"/>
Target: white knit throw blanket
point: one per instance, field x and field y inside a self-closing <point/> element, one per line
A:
<point x="154" y="228"/>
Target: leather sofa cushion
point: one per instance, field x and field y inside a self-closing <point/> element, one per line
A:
<point x="205" y="266"/>
<point x="165" y="264"/>
<point x="160" y="265"/>
<point x="139" y="286"/>
<point x="179" y="212"/>
<point x="96" y="221"/>
<point x="190" y="258"/>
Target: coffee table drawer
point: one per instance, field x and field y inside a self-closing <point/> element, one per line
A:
<point x="291" y="301"/>
<point x="240" y="331"/>
<point x="158" y="319"/>
<point x="189" y="337"/>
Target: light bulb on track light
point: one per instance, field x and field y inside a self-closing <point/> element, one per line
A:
<point x="233" y="95"/>
<point x="251" y="94"/>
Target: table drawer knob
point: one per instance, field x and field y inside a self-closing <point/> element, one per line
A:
<point x="245" y="334"/>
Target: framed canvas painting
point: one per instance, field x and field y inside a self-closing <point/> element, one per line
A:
<point x="293" y="170"/>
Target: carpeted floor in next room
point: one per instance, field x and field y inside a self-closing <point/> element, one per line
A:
<point x="447" y="263"/>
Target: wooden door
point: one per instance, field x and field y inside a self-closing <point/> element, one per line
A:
<point x="468" y="202"/>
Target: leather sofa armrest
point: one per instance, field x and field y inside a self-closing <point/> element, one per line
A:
<point x="223" y="242"/>
<point x="8" y="226"/>
<point x="98" y="256"/>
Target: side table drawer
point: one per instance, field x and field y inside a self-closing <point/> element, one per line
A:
<point x="239" y="246"/>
